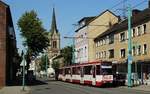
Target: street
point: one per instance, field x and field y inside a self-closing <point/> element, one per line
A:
<point x="58" y="87"/>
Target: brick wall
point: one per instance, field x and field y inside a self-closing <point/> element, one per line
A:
<point x="2" y="43"/>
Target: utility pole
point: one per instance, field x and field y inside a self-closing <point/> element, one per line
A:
<point x="129" y="47"/>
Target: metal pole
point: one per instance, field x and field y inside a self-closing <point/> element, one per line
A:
<point x="46" y="63"/>
<point x="73" y="52"/>
<point x="23" y="79"/>
<point x="129" y="47"/>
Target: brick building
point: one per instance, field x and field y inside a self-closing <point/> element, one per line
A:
<point x="8" y="49"/>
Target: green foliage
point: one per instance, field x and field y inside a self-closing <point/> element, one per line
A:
<point x="67" y="54"/>
<point x="35" y="37"/>
<point x="44" y="60"/>
<point x="55" y="65"/>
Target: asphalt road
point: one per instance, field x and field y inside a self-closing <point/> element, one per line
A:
<point x="57" y="87"/>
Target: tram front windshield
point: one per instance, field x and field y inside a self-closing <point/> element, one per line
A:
<point x="106" y="70"/>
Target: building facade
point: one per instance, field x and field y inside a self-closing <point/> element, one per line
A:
<point x="8" y="49"/>
<point x="112" y="45"/>
<point x="90" y="28"/>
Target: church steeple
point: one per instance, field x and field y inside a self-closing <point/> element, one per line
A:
<point x="53" y="24"/>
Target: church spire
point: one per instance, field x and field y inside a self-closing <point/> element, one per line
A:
<point x="53" y="24"/>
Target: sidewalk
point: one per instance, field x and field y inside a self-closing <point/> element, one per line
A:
<point x="14" y="90"/>
<point x="141" y="87"/>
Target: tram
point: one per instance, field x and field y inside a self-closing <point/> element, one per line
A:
<point x="92" y="73"/>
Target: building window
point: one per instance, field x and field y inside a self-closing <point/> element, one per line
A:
<point x="144" y="29"/>
<point x="133" y="32"/>
<point x="122" y="36"/>
<point x="111" y="53"/>
<point x="104" y="41"/>
<point x="111" y="39"/>
<point x="85" y="52"/>
<point x="99" y="55"/>
<point x="122" y="53"/>
<point x="139" y="50"/>
<point x="96" y="55"/>
<point x="54" y="44"/>
<point x="138" y="31"/>
<point x="145" y="49"/>
<point x="101" y="43"/>
<point x="133" y="51"/>
<point x="104" y="54"/>
<point x="98" y="43"/>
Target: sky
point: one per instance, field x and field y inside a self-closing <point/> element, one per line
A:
<point x="68" y="12"/>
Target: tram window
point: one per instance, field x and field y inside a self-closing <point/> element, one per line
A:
<point x="81" y="72"/>
<point x="106" y="71"/>
<point x="67" y="71"/>
<point x="73" y="70"/>
<point x="98" y="70"/>
<point x="76" y="70"/>
<point x="87" y="70"/>
<point x="60" y="71"/>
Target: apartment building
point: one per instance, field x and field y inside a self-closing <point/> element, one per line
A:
<point x="112" y="45"/>
<point x="90" y="28"/>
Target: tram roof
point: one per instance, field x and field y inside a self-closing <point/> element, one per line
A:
<point x="87" y="64"/>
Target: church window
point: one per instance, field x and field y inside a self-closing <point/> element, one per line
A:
<point x="54" y="44"/>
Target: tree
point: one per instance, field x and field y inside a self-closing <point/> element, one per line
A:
<point x="67" y="54"/>
<point x="35" y="37"/>
<point x="44" y="61"/>
<point x="55" y="66"/>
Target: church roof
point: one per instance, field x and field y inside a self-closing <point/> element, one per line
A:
<point x="53" y="24"/>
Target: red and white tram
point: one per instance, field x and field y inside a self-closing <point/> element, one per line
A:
<point x="94" y="73"/>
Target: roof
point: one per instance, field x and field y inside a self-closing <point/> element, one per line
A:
<point x="139" y="18"/>
<point x="95" y="18"/>
<point x="4" y="3"/>
<point x="53" y="23"/>
<point x="86" y="19"/>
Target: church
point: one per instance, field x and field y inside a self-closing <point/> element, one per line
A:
<point x="54" y="40"/>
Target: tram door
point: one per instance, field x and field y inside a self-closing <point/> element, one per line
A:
<point x="93" y="71"/>
<point x="94" y="75"/>
<point x="82" y="75"/>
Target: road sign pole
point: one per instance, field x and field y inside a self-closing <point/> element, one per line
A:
<point x="23" y="78"/>
<point x="129" y="47"/>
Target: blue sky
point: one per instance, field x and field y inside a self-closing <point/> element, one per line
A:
<point x="68" y="12"/>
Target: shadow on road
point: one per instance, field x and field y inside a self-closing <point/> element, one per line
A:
<point x="27" y="82"/>
<point x="36" y="82"/>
